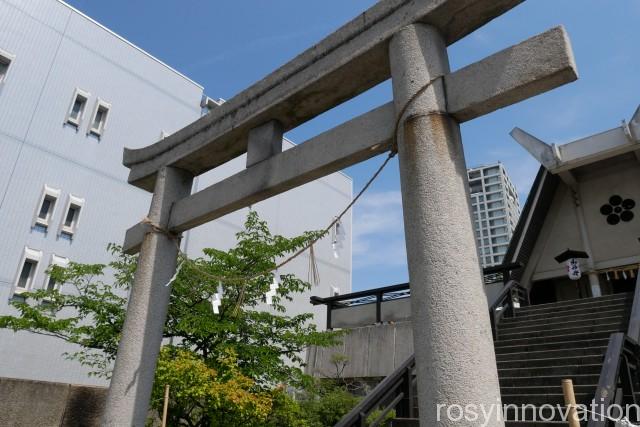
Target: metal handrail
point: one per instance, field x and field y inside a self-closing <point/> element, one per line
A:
<point x="619" y="378"/>
<point x="505" y="304"/>
<point x="394" y="392"/>
<point x="618" y="382"/>
<point x="633" y="330"/>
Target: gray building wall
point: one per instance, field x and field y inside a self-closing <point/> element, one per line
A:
<point x="57" y="50"/>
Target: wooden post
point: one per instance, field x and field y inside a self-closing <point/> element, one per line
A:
<point x="570" y="401"/>
<point x="165" y="408"/>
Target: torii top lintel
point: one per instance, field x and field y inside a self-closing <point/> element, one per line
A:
<point x="346" y="63"/>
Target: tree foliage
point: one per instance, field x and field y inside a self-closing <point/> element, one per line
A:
<point x="239" y="355"/>
<point x="204" y="396"/>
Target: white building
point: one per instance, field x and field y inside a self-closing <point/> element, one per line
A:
<point x="496" y="209"/>
<point x="72" y="95"/>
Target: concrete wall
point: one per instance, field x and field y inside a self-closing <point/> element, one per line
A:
<point x="612" y="245"/>
<point x="57" y="50"/>
<point x="372" y="351"/>
<point x="44" y="404"/>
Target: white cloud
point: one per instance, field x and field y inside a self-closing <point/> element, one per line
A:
<point x="378" y="232"/>
<point x="378" y="213"/>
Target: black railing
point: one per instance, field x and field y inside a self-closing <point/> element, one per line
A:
<point x="377" y="296"/>
<point x="513" y="295"/>
<point x="395" y="392"/>
<point x="618" y="383"/>
<point x="620" y="376"/>
<point x="496" y="274"/>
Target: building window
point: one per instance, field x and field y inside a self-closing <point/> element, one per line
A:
<point x="77" y="107"/>
<point x="476" y="188"/>
<point x="50" y="283"/>
<point x="46" y="207"/>
<point x="474" y="174"/>
<point x="492" y="171"/>
<point x="499" y="230"/>
<point x="27" y="270"/>
<point x="5" y="62"/>
<point x="71" y="217"/>
<point x="99" y="118"/>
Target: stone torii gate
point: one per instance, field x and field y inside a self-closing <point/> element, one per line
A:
<point x="404" y="40"/>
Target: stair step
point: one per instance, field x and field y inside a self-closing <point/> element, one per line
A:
<point x="609" y="297"/>
<point x="560" y="338"/>
<point x="546" y="319"/>
<point x="544" y="399"/>
<point x="551" y="370"/>
<point x="507" y="347"/>
<point x="527" y="354"/>
<point x="563" y="323"/>
<point x="554" y="361"/>
<point x="536" y="424"/>
<point x="537" y="415"/>
<point x="548" y="380"/>
<point x="545" y="344"/>
<point x="615" y="326"/>
<point x="548" y="389"/>
<point x="405" y="422"/>
<point x="575" y="304"/>
<point x="568" y="312"/>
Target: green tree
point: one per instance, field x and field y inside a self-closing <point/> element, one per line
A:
<point x="204" y="396"/>
<point x="263" y="343"/>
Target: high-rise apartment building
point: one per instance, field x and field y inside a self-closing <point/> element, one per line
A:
<point x="496" y="209"/>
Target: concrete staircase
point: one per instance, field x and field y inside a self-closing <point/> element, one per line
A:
<point x="546" y="343"/>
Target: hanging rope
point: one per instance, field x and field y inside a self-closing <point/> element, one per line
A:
<point x="313" y="276"/>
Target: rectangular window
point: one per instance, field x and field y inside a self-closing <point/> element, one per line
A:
<point x="50" y="283"/>
<point x="492" y="171"/>
<point x="5" y="63"/>
<point x="77" y="107"/>
<point x="27" y="270"/>
<point x="499" y="230"/>
<point x="491" y="180"/>
<point x="46" y="207"/>
<point x="99" y="118"/>
<point x="476" y="188"/>
<point x="71" y="218"/>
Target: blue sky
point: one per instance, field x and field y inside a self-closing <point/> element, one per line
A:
<point x="228" y="45"/>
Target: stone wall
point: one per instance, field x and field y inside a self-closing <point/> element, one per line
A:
<point x="44" y="404"/>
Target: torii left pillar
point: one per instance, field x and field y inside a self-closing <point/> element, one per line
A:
<point x="133" y="374"/>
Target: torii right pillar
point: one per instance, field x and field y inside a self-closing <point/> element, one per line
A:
<point x="455" y="359"/>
